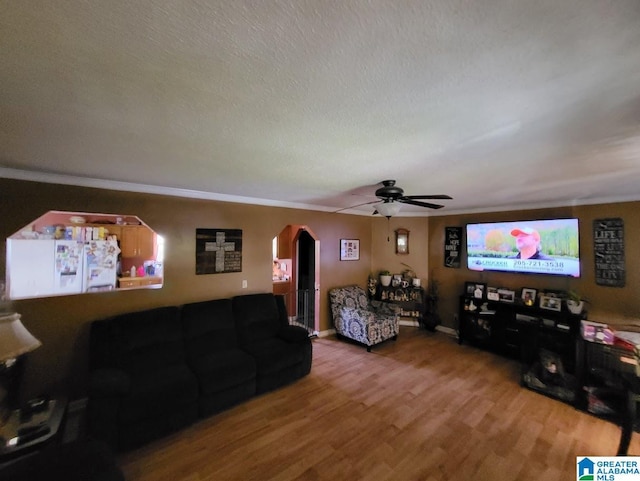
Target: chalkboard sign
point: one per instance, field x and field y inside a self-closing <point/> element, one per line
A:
<point x="452" y="243"/>
<point x="608" y="252"/>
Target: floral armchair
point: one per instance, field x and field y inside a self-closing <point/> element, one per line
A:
<point x="358" y="318"/>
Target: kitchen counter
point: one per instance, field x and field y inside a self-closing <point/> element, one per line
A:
<point x="137" y="282"/>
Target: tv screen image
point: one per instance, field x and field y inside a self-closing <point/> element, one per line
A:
<point x="550" y="246"/>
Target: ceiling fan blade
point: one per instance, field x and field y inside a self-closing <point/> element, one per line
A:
<point x="357" y="205"/>
<point x="406" y="200"/>
<point x="435" y="196"/>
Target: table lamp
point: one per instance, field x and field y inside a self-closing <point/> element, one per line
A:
<point x="15" y="341"/>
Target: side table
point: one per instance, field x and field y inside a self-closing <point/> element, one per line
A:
<point x="26" y="431"/>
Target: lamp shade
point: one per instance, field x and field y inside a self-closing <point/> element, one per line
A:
<point x="14" y="337"/>
<point x="388" y="209"/>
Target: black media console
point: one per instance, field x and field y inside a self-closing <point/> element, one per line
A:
<point x="517" y="330"/>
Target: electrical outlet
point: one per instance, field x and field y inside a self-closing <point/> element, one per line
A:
<point x="244" y="284"/>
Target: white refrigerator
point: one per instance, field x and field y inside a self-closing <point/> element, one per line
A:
<point x="68" y="266"/>
<point x="48" y="267"/>
<point x="100" y="263"/>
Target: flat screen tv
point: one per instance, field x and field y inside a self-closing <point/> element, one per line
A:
<point x="549" y="246"/>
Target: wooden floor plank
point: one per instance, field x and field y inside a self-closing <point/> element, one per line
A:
<point x="421" y="408"/>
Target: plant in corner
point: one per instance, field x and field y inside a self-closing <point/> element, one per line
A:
<point x="431" y="317"/>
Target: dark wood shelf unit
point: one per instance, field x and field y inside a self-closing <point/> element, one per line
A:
<point x="411" y="300"/>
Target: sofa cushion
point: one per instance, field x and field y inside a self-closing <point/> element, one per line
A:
<point x="159" y="391"/>
<point x="208" y="325"/>
<point x="257" y="317"/>
<point x="275" y="354"/>
<point x="139" y="342"/>
<point x="222" y="369"/>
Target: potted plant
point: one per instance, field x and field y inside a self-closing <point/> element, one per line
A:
<point x="385" y="277"/>
<point x="575" y="302"/>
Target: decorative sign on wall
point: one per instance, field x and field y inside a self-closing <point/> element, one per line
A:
<point x="608" y="252"/>
<point x="218" y="251"/>
<point x="452" y="244"/>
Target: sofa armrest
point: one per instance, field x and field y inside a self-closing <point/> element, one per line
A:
<point x="293" y="334"/>
<point x="108" y="383"/>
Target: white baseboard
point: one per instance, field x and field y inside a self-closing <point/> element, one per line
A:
<point x="447" y="330"/>
<point x="409" y="322"/>
<point x="327" y="333"/>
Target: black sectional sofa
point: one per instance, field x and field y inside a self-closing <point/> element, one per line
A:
<point x="155" y="371"/>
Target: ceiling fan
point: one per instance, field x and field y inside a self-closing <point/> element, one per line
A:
<point x="393" y="196"/>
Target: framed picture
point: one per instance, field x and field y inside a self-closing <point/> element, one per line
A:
<point x="479" y="291"/>
<point x="349" y="249"/>
<point x="551" y="303"/>
<point x="218" y="251"/>
<point x="506" y="295"/>
<point x="469" y="287"/>
<point x="492" y="294"/>
<point x="528" y="296"/>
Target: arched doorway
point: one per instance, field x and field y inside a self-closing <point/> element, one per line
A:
<point x="303" y="247"/>
<point x="306" y="281"/>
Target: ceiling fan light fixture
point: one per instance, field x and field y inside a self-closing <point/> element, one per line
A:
<point x="388" y="209"/>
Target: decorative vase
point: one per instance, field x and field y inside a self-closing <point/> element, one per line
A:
<point x="385" y="280"/>
<point x="575" y="307"/>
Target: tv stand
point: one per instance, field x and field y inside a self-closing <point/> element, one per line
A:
<point x="516" y="330"/>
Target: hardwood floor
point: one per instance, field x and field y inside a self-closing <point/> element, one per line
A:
<point x="420" y="408"/>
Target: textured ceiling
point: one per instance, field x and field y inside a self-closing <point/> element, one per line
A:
<point x="500" y="103"/>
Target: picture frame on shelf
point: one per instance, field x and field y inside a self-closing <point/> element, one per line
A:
<point x="492" y="294"/>
<point x="479" y="290"/>
<point x="551" y="303"/>
<point x="349" y="249"/>
<point x="469" y="287"/>
<point x="506" y="295"/>
<point x="528" y="296"/>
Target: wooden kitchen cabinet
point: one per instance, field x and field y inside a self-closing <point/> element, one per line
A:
<point x="137" y="241"/>
<point x="136" y="282"/>
<point x="115" y="230"/>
